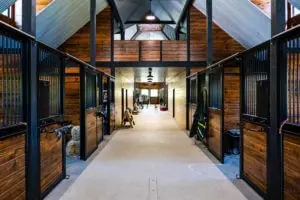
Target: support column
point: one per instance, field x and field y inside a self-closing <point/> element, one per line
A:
<point x="209" y="40"/>
<point x="209" y="36"/>
<point x="188" y="70"/>
<point x="32" y="172"/>
<point x="122" y="33"/>
<point x="93" y="32"/>
<point x="112" y="40"/>
<point x="274" y="151"/>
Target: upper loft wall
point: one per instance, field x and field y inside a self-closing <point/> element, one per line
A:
<point x="241" y="19"/>
<point x="223" y="44"/>
<point x="79" y="44"/>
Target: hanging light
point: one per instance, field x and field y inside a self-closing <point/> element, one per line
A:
<point x="149" y="15"/>
<point x="150" y="75"/>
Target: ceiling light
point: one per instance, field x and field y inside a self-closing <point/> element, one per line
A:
<point x="150" y="17"/>
<point x="150" y="76"/>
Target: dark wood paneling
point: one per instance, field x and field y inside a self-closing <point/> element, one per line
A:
<point x="91" y="130"/>
<point x="72" y="99"/>
<point x="12" y="168"/>
<point x="174" y="50"/>
<point x="126" y="50"/>
<point x="79" y="44"/>
<point x="291" y="167"/>
<point x="215" y="131"/>
<point x="99" y="129"/>
<point x="192" y="111"/>
<point x="231" y="100"/>
<point x="51" y="157"/>
<point x="112" y="117"/>
<point x="223" y="44"/>
<point x="150" y="50"/>
<point x="255" y="155"/>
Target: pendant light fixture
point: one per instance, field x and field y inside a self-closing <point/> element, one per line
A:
<point x="150" y="16"/>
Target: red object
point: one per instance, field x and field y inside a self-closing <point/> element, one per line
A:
<point x="163" y="108"/>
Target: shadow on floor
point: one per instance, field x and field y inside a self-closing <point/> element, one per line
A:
<point x="231" y="169"/>
<point x="74" y="168"/>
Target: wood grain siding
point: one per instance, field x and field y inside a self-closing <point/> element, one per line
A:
<point x="215" y="131"/>
<point x="51" y="157"/>
<point x="255" y="155"/>
<point x="79" y="44"/>
<point x="231" y="100"/>
<point x="174" y="50"/>
<point x="72" y="99"/>
<point x="41" y="4"/>
<point x="150" y="50"/>
<point x="126" y="50"/>
<point x="291" y="167"/>
<point x="99" y="129"/>
<point x="192" y="111"/>
<point x="112" y="117"/>
<point x="12" y="168"/>
<point x="91" y="130"/>
<point x="223" y="44"/>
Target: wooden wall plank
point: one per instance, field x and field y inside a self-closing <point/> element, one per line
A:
<point x="12" y="168"/>
<point x="72" y="99"/>
<point x="255" y="155"/>
<point x="126" y="50"/>
<point x="215" y="131"/>
<point x="291" y="164"/>
<point x="79" y="44"/>
<point x="223" y="44"/>
<point x="51" y="157"/>
<point x="231" y="101"/>
<point x="91" y="130"/>
<point x="150" y="50"/>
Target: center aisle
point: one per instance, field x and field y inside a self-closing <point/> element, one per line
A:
<point x="153" y="161"/>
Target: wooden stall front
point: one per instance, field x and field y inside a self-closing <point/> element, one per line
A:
<point x="255" y="115"/>
<point x="81" y="105"/>
<point x="50" y="114"/>
<point x="218" y="101"/>
<point x="13" y="127"/>
<point x="223" y="105"/>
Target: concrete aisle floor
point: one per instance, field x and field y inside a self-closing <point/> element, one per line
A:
<point x="153" y="161"/>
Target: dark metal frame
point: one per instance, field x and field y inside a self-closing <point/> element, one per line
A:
<point x="251" y="118"/>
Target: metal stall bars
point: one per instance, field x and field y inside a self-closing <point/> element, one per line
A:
<point x="13" y="110"/>
<point x="223" y="99"/>
<point x="289" y="111"/>
<point x="51" y="64"/>
<point x="81" y="102"/>
<point x="255" y="116"/>
<point x="100" y="114"/>
<point x="214" y="112"/>
<point x="108" y="105"/>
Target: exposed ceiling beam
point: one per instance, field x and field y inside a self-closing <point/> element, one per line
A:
<point x="187" y="5"/>
<point x="116" y="13"/>
<point x="150" y="22"/>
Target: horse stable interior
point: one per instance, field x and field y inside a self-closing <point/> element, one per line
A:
<point x="210" y="89"/>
